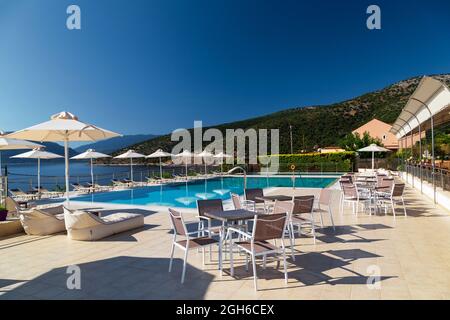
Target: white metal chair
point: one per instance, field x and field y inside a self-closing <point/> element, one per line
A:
<point x="325" y="198"/>
<point x="265" y="228"/>
<point x="239" y="203"/>
<point x="189" y="242"/>
<point x="303" y="215"/>
<point x="393" y="198"/>
<point x="352" y="196"/>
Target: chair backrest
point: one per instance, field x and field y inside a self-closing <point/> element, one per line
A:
<point x="177" y="222"/>
<point x="397" y="189"/>
<point x="304" y="204"/>
<point x="269" y="227"/>
<point x="236" y="201"/>
<point x="347" y="177"/>
<point x="209" y="205"/>
<point x="252" y="194"/>
<point x="386" y="182"/>
<point x="325" y="196"/>
<point x="350" y="191"/>
<point x="283" y="207"/>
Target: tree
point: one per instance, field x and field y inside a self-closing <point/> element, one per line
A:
<point x="354" y="142"/>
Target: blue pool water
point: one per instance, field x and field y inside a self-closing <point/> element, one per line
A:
<point x="186" y="194"/>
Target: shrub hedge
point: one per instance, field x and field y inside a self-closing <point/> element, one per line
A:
<point x="336" y="161"/>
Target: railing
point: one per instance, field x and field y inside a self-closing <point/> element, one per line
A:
<point x="425" y="173"/>
<point x="3" y="188"/>
<point x="27" y="182"/>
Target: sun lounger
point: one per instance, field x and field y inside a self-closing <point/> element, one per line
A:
<point x="42" y="222"/>
<point x="44" y="192"/>
<point x="21" y="195"/>
<point x="84" y="225"/>
<point x="81" y="188"/>
<point x="121" y="183"/>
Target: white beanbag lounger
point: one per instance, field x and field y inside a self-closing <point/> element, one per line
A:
<point x="83" y="225"/>
<point x="42" y="222"/>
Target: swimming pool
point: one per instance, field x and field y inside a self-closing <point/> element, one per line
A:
<point x="185" y="195"/>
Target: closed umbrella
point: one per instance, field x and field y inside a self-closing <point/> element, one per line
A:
<point x="130" y="154"/>
<point x="90" y="154"/>
<point x="38" y="154"/>
<point x="185" y="155"/>
<point x="14" y="144"/>
<point x="373" y="148"/>
<point x="159" y="154"/>
<point x="65" y="127"/>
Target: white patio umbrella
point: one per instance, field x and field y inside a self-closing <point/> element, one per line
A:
<point x="130" y="154"/>
<point x="90" y="154"/>
<point x="222" y="156"/>
<point x="159" y="154"/>
<point x="205" y="154"/>
<point x="373" y="148"/>
<point x="38" y="154"/>
<point x="14" y="144"/>
<point x="65" y="127"/>
<point x="184" y="155"/>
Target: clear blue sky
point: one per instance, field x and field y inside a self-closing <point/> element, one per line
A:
<point x="147" y="66"/>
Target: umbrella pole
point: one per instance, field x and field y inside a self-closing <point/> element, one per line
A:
<point x="66" y="160"/>
<point x="373" y="160"/>
<point x="131" y="164"/>
<point x="185" y="167"/>
<point x="160" y="168"/>
<point x="92" y="175"/>
<point x="39" y="177"/>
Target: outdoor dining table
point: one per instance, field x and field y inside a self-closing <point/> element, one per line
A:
<point x="227" y="216"/>
<point x="274" y="198"/>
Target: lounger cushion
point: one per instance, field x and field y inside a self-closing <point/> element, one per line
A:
<point x="42" y="222"/>
<point x="83" y="225"/>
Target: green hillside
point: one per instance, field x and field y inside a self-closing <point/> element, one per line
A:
<point x="319" y="126"/>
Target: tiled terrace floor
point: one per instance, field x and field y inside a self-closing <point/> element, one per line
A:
<point x="412" y="255"/>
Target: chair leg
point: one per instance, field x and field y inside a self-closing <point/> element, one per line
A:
<point x="393" y="207"/>
<point x="203" y="256"/>
<point x="404" y="208"/>
<point x="246" y="262"/>
<point x="231" y="260"/>
<point x="331" y="218"/>
<point x="313" y="230"/>
<point x="184" y="264"/>
<point x="285" y="266"/>
<point x="171" y="257"/>
<point x="291" y="239"/>
<point x="255" y="278"/>
<point x="264" y="261"/>
<point x="321" y="219"/>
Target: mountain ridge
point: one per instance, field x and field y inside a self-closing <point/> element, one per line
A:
<point x="318" y="125"/>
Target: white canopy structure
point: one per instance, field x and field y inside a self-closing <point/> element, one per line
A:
<point x="14" y="144"/>
<point x="65" y="127"/>
<point x="90" y="154"/>
<point x="38" y="154"/>
<point x="130" y="154"/>
<point x="373" y="148"/>
<point x="159" y="154"/>
<point x="425" y="108"/>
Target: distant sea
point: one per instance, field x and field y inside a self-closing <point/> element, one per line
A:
<point x="24" y="175"/>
